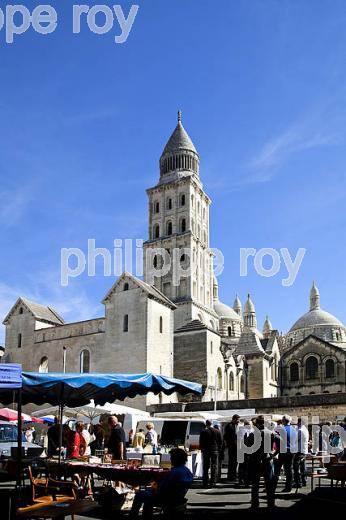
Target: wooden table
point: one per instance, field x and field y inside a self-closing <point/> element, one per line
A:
<point x="313" y="474"/>
<point x="112" y="472"/>
<point x="58" y="509"/>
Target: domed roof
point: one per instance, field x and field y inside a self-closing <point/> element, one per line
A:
<point x="314" y="318"/>
<point x="224" y="311"/>
<point x="179" y="140"/>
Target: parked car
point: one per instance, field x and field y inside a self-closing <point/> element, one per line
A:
<point x="9" y="439"/>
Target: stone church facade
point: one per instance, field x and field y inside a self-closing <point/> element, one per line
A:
<point x="179" y="327"/>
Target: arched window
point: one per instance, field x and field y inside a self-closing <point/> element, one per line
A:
<point x="156" y="231"/>
<point x="43" y="365"/>
<point x="169" y="228"/>
<point x="126" y="323"/>
<point x="157" y="207"/>
<point x="311" y="368"/>
<point x="183" y="225"/>
<point x="84" y="362"/>
<point x="230" y="331"/>
<point x="19" y="341"/>
<point x="161" y="324"/>
<point x="21" y="310"/>
<point x="330" y="368"/>
<point x="182" y="258"/>
<point x="126" y="286"/>
<point x="155" y="261"/>
<point x="219" y="379"/>
<point x="294" y="372"/>
<point x="242" y="384"/>
<point x="192" y="200"/>
<point x="169" y="203"/>
<point x="182" y="199"/>
<point x="231" y="382"/>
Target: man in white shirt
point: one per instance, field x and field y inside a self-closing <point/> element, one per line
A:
<point x="299" y="469"/>
<point x="87" y="439"/>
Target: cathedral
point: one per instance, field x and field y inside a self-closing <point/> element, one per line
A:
<point x="178" y="326"/>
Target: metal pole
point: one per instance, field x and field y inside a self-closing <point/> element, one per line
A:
<point x="19" y="433"/>
<point x="64" y="359"/>
<point x="61" y="406"/>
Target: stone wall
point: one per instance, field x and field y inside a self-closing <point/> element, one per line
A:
<point x="326" y="407"/>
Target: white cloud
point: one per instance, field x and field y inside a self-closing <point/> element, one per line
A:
<point x="277" y="150"/>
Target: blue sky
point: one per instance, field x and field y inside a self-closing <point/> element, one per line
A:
<point x="83" y="121"/>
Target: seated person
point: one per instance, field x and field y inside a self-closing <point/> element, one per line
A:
<point x="170" y="492"/>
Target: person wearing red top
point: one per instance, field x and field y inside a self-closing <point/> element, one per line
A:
<point x="78" y="445"/>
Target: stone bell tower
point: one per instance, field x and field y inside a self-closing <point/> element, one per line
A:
<point x="177" y="258"/>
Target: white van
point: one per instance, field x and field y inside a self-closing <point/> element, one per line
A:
<point x="9" y="439"/>
<point x="176" y="432"/>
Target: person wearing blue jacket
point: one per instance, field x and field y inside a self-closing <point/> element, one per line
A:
<point x="169" y="493"/>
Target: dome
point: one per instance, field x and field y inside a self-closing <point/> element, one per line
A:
<point x="315" y="318"/>
<point x="224" y="311"/>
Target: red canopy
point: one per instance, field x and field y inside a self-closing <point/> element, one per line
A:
<point x="12" y="415"/>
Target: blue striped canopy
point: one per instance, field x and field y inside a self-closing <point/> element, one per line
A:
<point x="78" y="389"/>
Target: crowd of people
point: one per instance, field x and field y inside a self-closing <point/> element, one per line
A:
<point x="257" y="448"/>
<point x="85" y="439"/>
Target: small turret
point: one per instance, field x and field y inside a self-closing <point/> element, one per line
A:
<point x="250" y="319"/>
<point x="267" y="327"/>
<point x="237" y="305"/>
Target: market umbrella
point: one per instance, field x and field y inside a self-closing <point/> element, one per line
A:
<point x="90" y="411"/>
<point x="12" y="415"/>
<point x="48" y="419"/>
<point x="78" y="389"/>
<point x="37" y="420"/>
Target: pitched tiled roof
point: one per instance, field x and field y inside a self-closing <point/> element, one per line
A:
<point x="249" y="344"/>
<point x="150" y="290"/>
<point x="191" y="325"/>
<point x="40" y="312"/>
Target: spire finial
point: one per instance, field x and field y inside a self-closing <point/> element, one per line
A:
<point x="179" y="116"/>
<point x="314" y="298"/>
